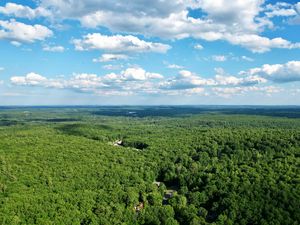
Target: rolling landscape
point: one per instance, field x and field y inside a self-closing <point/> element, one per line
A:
<point x="161" y="112"/>
<point x="150" y="165"/>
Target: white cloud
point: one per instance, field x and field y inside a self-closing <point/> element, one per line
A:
<point x="219" y="58"/>
<point x="136" y="7"/>
<point x="238" y="13"/>
<point x="174" y="66"/>
<point x="20" y="32"/>
<point x="1" y="69"/>
<point x="282" y="12"/>
<point x="297" y="6"/>
<point x="85" y="82"/>
<point x="111" y="57"/>
<point x="57" y="48"/>
<point x="280" y="73"/>
<point x="16" y="43"/>
<point x="78" y="81"/>
<point x="229" y="57"/>
<point x="188" y="80"/>
<point x="139" y="74"/>
<point x="241" y="22"/>
<point x="280" y="9"/>
<point x="234" y="81"/>
<point x="131" y="79"/>
<point x="296" y="20"/>
<point x="185" y="80"/>
<point x="32" y="79"/>
<point x="260" y="44"/>
<point x="227" y="92"/>
<point x="246" y="58"/>
<point x="118" y="43"/>
<point x="198" y="47"/>
<point x="227" y="80"/>
<point x="16" y="10"/>
<point x="135" y="80"/>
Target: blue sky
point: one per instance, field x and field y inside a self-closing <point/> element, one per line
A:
<point x="101" y="52"/>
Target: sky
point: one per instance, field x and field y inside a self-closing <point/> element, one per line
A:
<point x="140" y="52"/>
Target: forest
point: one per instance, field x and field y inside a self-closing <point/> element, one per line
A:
<point x="150" y="165"/>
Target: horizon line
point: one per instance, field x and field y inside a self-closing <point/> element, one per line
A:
<point x="154" y="105"/>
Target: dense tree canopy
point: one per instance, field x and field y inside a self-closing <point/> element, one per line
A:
<point x="61" y="166"/>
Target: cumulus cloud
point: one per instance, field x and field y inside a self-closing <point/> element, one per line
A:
<point x="78" y="81"/>
<point x="241" y="22"/>
<point x="239" y="14"/>
<point x="85" y="82"/>
<point x="280" y="9"/>
<point x="31" y="79"/>
<point x="296" y="20"/>
<point x="20" y="32"/>
<point x="280" y="73"/>
<point x="260" y="44"/>
<point x="228" y="92"/>
<point x="126" y="81"/>
<point x="139" y="74"/>
<point x="234" y="81"/>
<point x="57" y="48"/>
<point x="79" y="8"/>
<point x="118" y="43"/>
<point x="111" y="57"/>
<point x="185" y="80"/>
<point x="135" y="80"/>
<point x="16" y="10"/>
<point x="188" y="80"/>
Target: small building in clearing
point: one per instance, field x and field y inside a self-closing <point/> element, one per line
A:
<point x="118" y="143"/>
